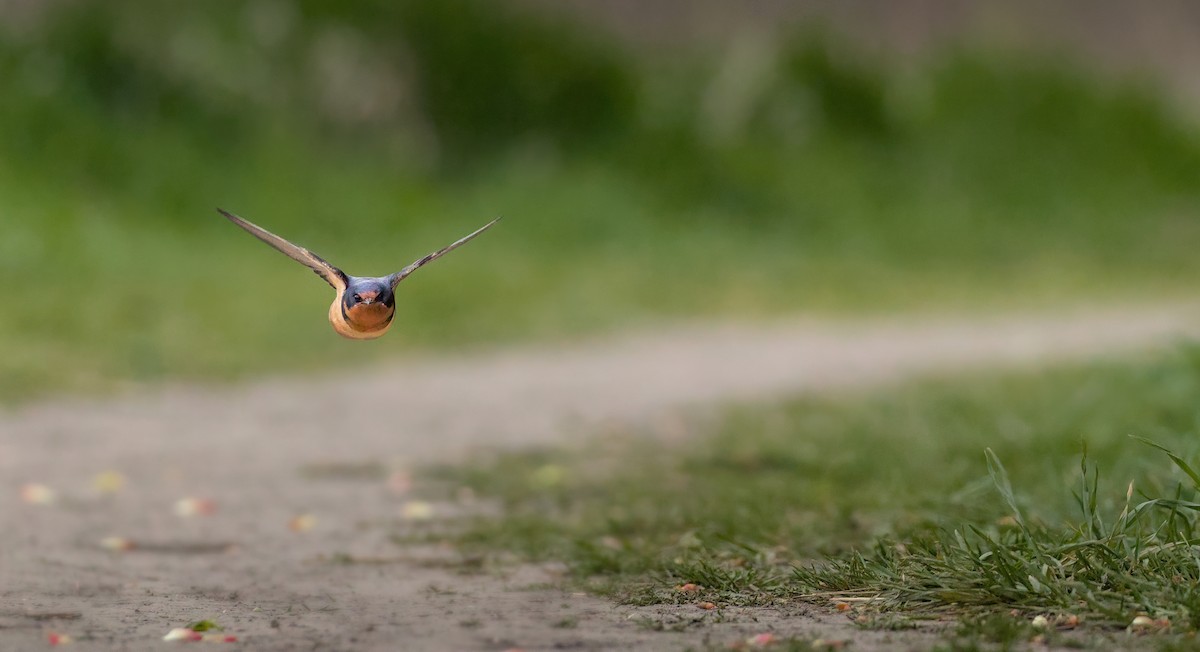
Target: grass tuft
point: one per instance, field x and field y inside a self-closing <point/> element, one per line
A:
<point x="1146" y="561"/>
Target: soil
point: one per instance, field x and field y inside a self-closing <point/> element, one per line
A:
<point x="270" y="451"/>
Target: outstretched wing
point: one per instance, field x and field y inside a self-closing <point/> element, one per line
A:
<point x="332" y="275"/>
<point x="394" y="279"/>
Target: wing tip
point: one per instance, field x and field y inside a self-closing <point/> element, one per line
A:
<point x="487" y="226"/>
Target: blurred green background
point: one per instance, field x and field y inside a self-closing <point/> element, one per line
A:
<point x="767" y="173"/>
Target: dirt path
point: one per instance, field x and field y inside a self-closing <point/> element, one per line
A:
<point x="246" y="448"/>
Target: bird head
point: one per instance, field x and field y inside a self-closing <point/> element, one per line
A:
<point x="368" y="292"/>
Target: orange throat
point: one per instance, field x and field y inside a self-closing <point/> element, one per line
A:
<point x="362" y="322"/>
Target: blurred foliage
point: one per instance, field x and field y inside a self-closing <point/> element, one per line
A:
<point x="480" y="76"/>
<point x="490" y="80"/>
<point x="780" y="173"/>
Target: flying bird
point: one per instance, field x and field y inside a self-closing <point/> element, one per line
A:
<point x="364" y="305"/>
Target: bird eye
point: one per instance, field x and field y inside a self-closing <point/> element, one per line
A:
<point x="357" y="298"/>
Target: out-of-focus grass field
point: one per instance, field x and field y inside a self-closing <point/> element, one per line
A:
<point x="761" y="180"/>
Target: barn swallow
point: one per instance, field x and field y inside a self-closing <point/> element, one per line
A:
<point x="364" y="305"/>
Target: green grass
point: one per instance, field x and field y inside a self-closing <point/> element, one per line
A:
<point x="631" y="196"/>
<point x="962" y="497"/>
